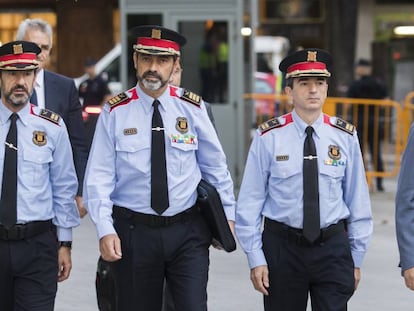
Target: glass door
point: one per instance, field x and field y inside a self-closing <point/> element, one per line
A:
<point x="213" y="68"/>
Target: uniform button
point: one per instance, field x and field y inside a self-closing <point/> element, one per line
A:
<point x="131" y="227"/>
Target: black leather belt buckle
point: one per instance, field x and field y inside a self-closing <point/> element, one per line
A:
<point x="294" y="235"/>
<point x="154" y="220"/>
<point x="298" y="238"/>
<point x="159" y="221"/>
<point x="17" y="232"/>
<point x="25" y="231"/>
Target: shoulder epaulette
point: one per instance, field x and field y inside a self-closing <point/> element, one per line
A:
<point x="191" y="97"/>
<point x="50" y="116"/>
<point x="269" y="125"/>
<point x="343" y="125"/>
<point x="118" y="99"/>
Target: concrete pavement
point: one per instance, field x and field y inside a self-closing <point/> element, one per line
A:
<point x="381" y="288"/>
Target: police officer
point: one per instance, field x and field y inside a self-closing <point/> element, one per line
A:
<point x="39" y="183"/>
<point x="305" y="178"/>
<point x="57" y="93"/>
<point x="141" y="197"/>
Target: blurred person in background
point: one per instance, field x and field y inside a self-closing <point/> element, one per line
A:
<point x="59" y="94"/>
<point x="370" y="133"/>
<point x="93" y="93"/>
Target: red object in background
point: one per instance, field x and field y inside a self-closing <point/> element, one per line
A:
<point x="265" y="83"/>
<point x="90" y="110"/>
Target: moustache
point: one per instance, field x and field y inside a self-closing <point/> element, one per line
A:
<point x="20" y="87"/>
<point x="151" y="74"/>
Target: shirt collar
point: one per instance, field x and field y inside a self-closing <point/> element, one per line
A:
<point x="5" y="113"/>
<point x="148" y="100"/>
<point x="302" y="125"/>
<point x="40" y="78"/>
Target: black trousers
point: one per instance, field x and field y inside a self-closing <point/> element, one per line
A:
<point x="28" y="273"/>
<point x="324" y="271"/>
<point x="178" y="254"/>
<point x="105" y="289"/>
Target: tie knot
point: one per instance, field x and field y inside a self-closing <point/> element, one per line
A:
<point x="14" y="116"/>
<point x="309" y="130"/>
<point x="155" y="104"/>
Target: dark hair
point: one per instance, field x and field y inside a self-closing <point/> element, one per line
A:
<point x="289" y="81"/>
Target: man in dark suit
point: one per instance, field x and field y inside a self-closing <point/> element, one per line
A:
<point x="404" y="212"/>
<point x="59" y="94"/>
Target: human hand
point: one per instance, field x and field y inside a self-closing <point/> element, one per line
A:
<point x="260" y="279"/>
<point x="357" y="275"/>
<point x="81" y="207"/>
<point x="110" y="247"/>
<point x="409" y="278"/>
<point x="65" y="263"/>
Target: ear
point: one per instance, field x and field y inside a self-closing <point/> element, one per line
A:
<point x="288" y="90"/>
<point x="135" y="58"/>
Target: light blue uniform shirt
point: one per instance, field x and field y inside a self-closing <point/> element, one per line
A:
<point x="119" y="166"/>
<point x="46" y="179"/>
<point x="272" y="184"/>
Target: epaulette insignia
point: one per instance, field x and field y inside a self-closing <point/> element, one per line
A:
<point x="344" y="126"/>
<point x="268" y="125"/>
<point x="116" y="100"/>
<point x="191" y="97"/>
<point x="50" y="116"/>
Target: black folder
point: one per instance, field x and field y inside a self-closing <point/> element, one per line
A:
<point x="211" y="208"/>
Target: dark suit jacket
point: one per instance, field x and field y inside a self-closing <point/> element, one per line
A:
<point x="61" y="96"/>
<point x="404" y="210"/>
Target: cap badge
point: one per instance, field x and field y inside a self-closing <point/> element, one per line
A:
<point x="312" y="56"/>
<point x="182" y="125"/>
<point x="334" y="152"/>
<point x="17" y="49"/>
<point x="156" y="34"/>
<point x="39" y="138"/>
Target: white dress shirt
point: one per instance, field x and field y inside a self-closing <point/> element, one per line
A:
<point x="40" y="88"/>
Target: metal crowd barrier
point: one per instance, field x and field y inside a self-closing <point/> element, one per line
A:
<point x="382" y="125"/>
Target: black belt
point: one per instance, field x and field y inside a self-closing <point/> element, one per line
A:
<point x="25" y="231"/>
<point x="296" y="235"/>
<point x="154" y="220"/>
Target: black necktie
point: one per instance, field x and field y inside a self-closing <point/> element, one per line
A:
<point x="8" y="203"/>
<point x="33" y="98"/>
<point x="159" y="186"/>
<point x="311" y="218"/>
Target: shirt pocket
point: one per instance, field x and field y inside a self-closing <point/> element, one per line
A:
<point x="330" y="181"/>
<point x="35" y="165"/>
<point x="182" y="158"/>
<point x="133" y="153"/>
<point x="285" y="178"/>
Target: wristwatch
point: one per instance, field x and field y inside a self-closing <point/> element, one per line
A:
<point x="65" y="244"/>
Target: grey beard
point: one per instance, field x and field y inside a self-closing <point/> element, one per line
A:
<point x="153" y="86"/>
<point x="17" y="101"/>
